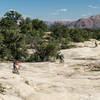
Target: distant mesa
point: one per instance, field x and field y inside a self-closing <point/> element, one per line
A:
<point x="91" y="22"/>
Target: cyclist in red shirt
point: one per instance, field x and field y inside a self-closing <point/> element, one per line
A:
<point x="15" y="67"/>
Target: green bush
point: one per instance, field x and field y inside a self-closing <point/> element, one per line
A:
<point x="31" y="58"/>
<point x="47" y="51"/>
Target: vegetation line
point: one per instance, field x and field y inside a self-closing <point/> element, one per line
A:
<point x="18" y="35"/>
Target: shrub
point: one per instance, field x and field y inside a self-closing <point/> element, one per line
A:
<point x="47" y="51"/>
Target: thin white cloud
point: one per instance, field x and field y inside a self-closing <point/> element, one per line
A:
<point x="93" y="7"/>
<point x="63" y="10"/>
<point x="59" y="11"/>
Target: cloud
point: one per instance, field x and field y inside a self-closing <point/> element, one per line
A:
<point x="59" y="11"/>
<point x="93" y="7"/>
<point x="63" y="10"/>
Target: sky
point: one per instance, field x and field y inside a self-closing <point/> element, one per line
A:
<point x="52" y="10"/>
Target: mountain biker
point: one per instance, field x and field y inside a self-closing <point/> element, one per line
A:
<point x="15" y="66"/>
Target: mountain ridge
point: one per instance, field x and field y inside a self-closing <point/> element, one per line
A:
<point x="91" y="22"/>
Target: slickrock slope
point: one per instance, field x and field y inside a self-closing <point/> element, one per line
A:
<point x="54" y="81"/>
